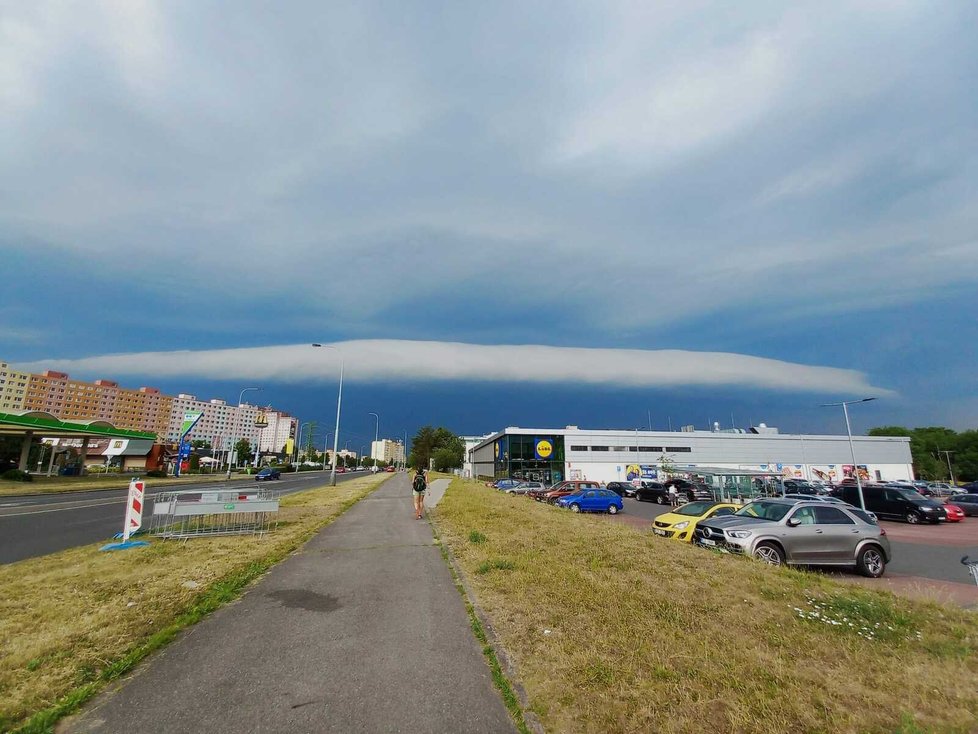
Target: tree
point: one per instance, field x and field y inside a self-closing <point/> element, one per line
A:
<point x="666" y="466"/>
<point x="439" y="445"/>
<point x="244" y="452"/>
<point x="927" y="447"/>
<point x="198" y="443"/>
<point x="349" y="461"/>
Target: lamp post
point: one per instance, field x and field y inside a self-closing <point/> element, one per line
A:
<point x="852" y="451"/>
<point x="361" y="454"/>
<point x="237" y="425"/>
<point x="298" y="445"/>
<point x="376" y="433"/>
<point x="947" y="455"/>
<point x="261" y="423"/>
<point x="325" y="449"/>
<point x="339" y="402"/>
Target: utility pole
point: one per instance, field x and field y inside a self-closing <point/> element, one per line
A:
<point x="947" y="455"/>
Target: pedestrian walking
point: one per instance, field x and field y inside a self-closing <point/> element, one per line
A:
<point x="419" y="487"/>
<point x="673" y="495"/>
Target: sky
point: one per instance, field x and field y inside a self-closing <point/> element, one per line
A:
<point x="602" y="214"/>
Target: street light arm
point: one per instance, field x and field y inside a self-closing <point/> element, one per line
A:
<point x="339" y="403"/>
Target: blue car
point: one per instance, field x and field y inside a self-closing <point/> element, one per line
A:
<point x="506" y="483"/>
<point x="267" y="473"/>
<point x="593" y="500"/>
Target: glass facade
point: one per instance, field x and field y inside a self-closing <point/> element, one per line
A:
<point x="530" y="458"/>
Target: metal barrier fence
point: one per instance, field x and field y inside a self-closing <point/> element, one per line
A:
<point x="196" y="514"/>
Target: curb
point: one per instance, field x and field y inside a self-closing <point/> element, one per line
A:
<point x="506" y="663"/>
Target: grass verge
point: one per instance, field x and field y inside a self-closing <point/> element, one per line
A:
<point x="499" y="679"/>
<point x="73" y="621"/>
<point x="615" y="630"/>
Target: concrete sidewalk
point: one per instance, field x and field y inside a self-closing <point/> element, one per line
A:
<point x="363" y="630"/>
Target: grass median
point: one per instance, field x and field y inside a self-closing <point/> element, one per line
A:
<point x="615" y="630"/>
<point x="72" y="621"/>
<point x="57" y="485"/>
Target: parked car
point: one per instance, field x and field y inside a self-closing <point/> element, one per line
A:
<point x="505" y="483"/>
<point x="970" y="487"/>
<point x="870" y="517"/>
<point x="798" y="486"/>
<point x="681" y="522"/>
<point x="968" y="503"/>
<point x="780" y="531"/>
<point x="563" y="489"/>
<point x="941" y="489"/>
<point x="390" y="469"/>
<point x="622" y="489"/>
<point x="592" y="500"/>
<point x="687" y="491"/>
<point x="652" y="492"/>
<point x="896" y="503"/>
<point x="954" y="513"/>
<point x="267" y="473"/>
<point x="524" y="488"/>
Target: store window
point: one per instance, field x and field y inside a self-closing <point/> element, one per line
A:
<point x="678" y="449"/>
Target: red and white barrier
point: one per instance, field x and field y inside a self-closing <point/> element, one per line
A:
<point x="134" y="509"/>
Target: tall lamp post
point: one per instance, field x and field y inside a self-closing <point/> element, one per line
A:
<point x="237" y="425"/>
<point x="947" y="455"/>
<point x="376" y="433"/>
<point x="339" y="402"/>
<point x="361" y="455"/>
<point x="298" y="445"/>
<point x="852" y="451"/>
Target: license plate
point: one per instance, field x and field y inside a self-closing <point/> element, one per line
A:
<point x="658" y="532"/>
<point x="707" y="541"/>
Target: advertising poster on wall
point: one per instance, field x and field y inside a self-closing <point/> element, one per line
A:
<point x="641" y="471"/>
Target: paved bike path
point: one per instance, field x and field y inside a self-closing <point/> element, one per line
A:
<point x="362" y="630"/>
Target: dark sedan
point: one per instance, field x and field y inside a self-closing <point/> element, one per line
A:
<point x="967" y="502"/>
<point x="622" y="489"/>
<point x="268" y="473"/>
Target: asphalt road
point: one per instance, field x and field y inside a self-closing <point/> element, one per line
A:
<point x="36" y="525"/>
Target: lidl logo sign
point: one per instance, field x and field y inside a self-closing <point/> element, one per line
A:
<point x="497" y="449"/>
<point x="544" y="448"/>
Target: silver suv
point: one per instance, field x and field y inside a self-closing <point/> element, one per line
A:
<point x="780" y="531"/>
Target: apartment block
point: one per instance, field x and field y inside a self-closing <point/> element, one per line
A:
<point x="13" y="388"/>
<point x="145" y="409"/>
<point x="387" y="450"/>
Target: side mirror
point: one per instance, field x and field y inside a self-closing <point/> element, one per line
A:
<point x="793" y="522"/>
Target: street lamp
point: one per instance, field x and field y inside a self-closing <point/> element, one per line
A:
<point x="361" y="455"/>
<point x="237" y="425"/>
<point x="376" y="433"/>
<point x="947" y="455"/>
<point x="325" y="449"/>
<point x="852" y="451"/>
<point x="298" y="446"/>
<point x="339" y="402"/>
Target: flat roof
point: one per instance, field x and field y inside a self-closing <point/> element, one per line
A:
<point x="721" y="435"/>
<point x="46" y="425"/>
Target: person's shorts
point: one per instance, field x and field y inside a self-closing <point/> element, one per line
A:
<point x="418" y="494"/>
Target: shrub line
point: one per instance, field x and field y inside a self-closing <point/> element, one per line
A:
<point x="504" y="673"/>
<point x="223" y="590"/>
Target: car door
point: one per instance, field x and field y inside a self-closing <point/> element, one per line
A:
<point x="967" y="502"/>
<point x="801" y="541"/>
<point x="589" y="500"/>
<point x="840" y="535"/>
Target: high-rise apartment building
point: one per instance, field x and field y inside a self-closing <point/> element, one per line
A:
<point x="145" y="409"/>
<point x="13" y="388"/>
<point x="221" y="423"/>
<point x="387" y="450"/>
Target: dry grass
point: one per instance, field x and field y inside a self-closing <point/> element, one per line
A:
<point x="67" y="618"/>
<point x="615" y="630"/>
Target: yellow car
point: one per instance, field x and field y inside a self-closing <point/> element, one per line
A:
<point x="681" y="522"/>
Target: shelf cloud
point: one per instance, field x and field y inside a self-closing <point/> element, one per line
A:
<point x="390" y="360"/>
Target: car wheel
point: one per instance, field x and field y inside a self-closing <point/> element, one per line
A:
<point x="913" y="518"/>
<point x="871" y="562"/>
<point x="612" y="509"/>
<point x="660" y="500"/>
<point x="575" y="507"/>
<point x="769" y="553"/>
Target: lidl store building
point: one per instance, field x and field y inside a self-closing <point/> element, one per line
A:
<point x="552" y="455"/>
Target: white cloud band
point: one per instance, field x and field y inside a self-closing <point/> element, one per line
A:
<point x="399" y="361"/>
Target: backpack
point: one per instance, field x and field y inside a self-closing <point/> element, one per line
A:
<point x="419" y="483"/>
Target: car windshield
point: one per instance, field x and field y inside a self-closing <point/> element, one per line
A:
<point x="693" y="508"/>
<point x="764" y="510"/>
<point x="910" y="494"/>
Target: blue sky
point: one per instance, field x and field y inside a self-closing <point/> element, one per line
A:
<point x="790" y="184"/>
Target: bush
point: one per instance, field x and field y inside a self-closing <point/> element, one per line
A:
<point x="16" y="475"/>
<point x="156" y="474"/>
